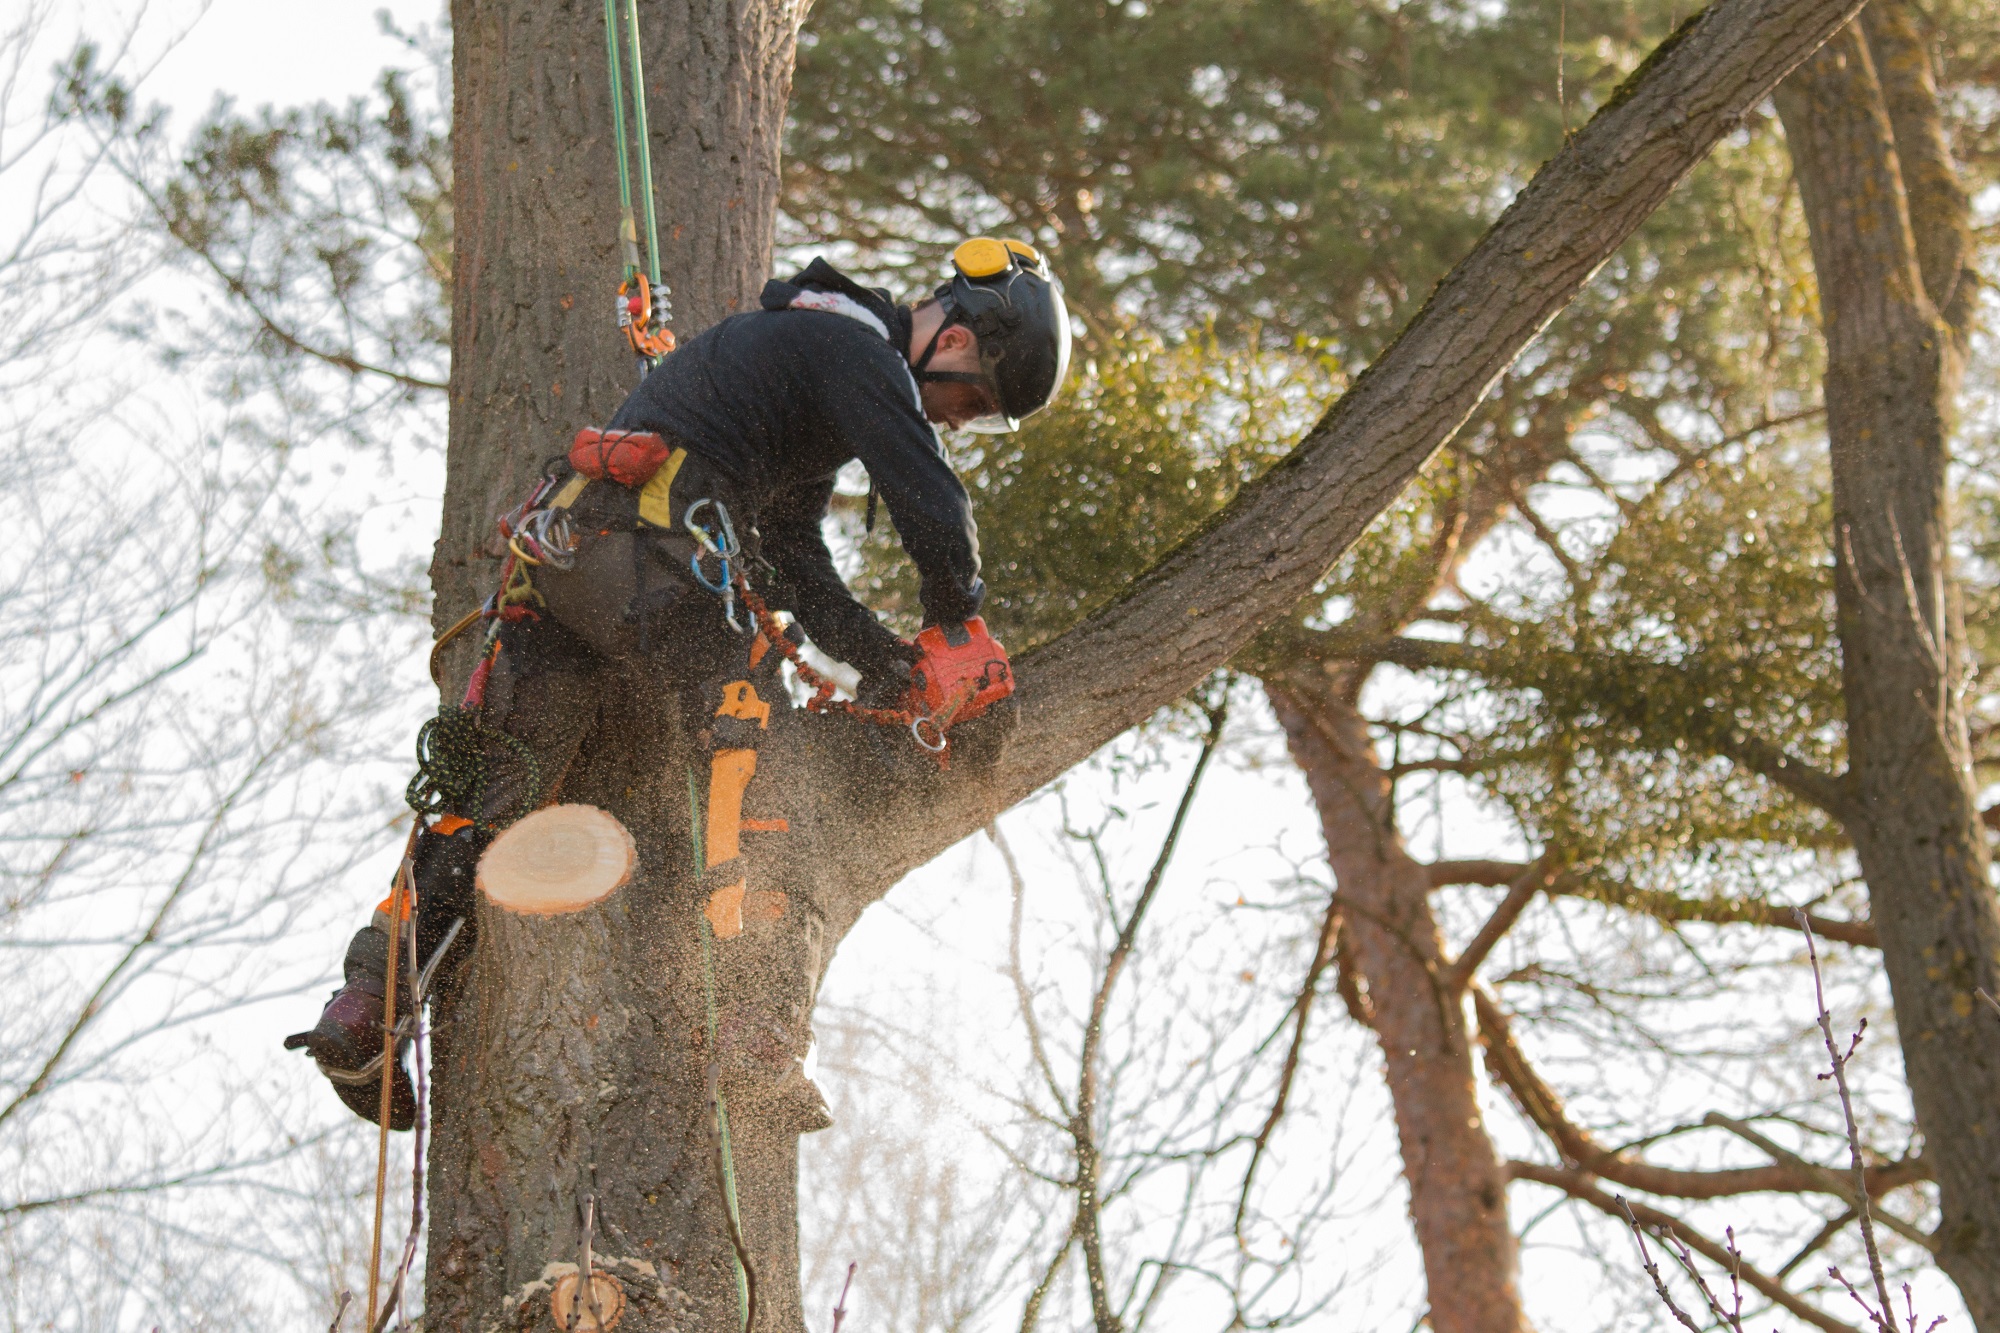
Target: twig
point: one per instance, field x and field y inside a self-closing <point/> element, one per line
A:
<point x="1819" y="1240"/>
<point x="840" y="1306"/>
<point x="1662" y="1222"/>
<point x="1833" y="1183"/>
<point x="1881" y="1317"/>
<point x="1652" y="1268"/>
<point x="1732" y="1319"/>
<point x="1323" y="956"/>
<point x="1520" y="893"/>
<point x="340" y="1311"/>
<point x="1023" y="996"/>
<point x="1031" y="1309"/>
<point x="586" y="1271"/>
<point x="1083" y="1127"/>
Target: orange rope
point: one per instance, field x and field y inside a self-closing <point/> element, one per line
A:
<point x="397" y="899"/>
<point x="823" y="700"/>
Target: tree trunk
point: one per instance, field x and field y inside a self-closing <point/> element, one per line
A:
<point x="1891" y="381"/>
<point x="598" y="1092"/>
<point x="571" y="1058"/>
<point x="1393" y="947"/>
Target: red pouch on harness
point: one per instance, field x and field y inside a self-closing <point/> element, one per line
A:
<point x="628" y="457"/>
<point x="964" y="672"/>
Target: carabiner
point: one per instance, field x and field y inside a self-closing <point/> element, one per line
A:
<point x="724" y="552"/>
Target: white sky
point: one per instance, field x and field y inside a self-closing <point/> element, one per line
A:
<point x="281" y="52"/>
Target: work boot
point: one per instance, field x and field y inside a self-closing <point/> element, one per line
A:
<point x="346" y="1043"/>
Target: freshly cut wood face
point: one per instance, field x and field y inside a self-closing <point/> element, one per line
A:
<point x="557" y="860"/>
<point x="610" y="1297"/>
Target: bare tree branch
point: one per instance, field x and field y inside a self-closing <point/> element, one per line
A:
<point x="1532" y="880"/>
<point x="1581" y="1186"/>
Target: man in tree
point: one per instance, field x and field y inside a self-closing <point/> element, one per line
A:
<point x="726" y="452"/>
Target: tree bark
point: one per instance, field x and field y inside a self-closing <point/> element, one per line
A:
<point x="1458" y="1184"/>
<point x="571" y="1056"/>
<point x="602" y="1096"/>
<point x="1891" y="381"/>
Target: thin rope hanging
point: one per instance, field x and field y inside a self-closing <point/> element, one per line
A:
<point x="644" y="307"/>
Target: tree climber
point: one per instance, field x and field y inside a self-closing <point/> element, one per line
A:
<point x="630" y="554"/>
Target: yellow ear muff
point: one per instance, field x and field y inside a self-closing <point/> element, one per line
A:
<point x="1026" y="251"/>
<point x="982" y="257"/>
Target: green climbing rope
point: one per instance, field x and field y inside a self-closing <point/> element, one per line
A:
<point x="454" y="768"/>
<point x="628" y="232"/>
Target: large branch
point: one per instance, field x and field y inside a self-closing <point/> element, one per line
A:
<point x="1194" y="610"/>
<point x="1660" y="904"/>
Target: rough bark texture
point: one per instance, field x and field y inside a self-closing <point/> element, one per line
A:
<point x="1892" y="375"/>
<point x="1200" y="605"/>
<point x="570" y="1058"/>
<point x="533" y="1114"/>
<point x="1393" y="947"/>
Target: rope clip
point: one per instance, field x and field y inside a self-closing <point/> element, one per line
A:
<point x="725" y="551"/>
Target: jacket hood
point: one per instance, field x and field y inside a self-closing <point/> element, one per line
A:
<point x="821" y="276"/>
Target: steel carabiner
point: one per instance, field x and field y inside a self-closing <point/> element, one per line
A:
<point x="725" y="551"/>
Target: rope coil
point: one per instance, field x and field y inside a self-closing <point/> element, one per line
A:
<point x="454" y="771"/>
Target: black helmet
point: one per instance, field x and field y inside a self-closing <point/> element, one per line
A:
<point x="1004" y="293"/>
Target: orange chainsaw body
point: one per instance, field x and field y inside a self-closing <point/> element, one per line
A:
<point x="963" y="673"/>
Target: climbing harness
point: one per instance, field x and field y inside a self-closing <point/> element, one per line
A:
<point x="724" y="548"/>
<point x="643" y="309"/>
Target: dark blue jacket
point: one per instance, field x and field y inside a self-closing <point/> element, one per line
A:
<point x="779" y="399"/>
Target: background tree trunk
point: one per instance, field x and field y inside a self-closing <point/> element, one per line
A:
<point x="570" y="1062"/>
<point x="1392" y="944"/>
<point x="1891" y="381"/>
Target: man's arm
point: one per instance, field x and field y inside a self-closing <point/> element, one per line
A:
<point x="877" y="416"/>
<point x="805" y="583"/>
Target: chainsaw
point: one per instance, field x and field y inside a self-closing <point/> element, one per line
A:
<point x="964" y="671"/>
